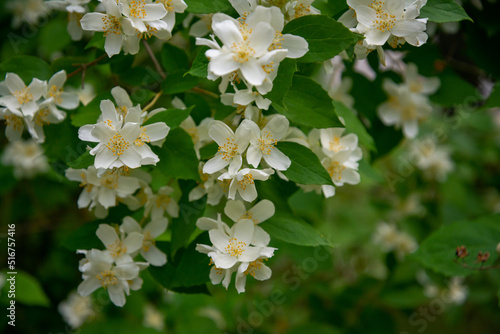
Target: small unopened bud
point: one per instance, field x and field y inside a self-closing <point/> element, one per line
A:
<point x="461" y="252"/>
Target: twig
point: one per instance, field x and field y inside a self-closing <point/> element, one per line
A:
<point x="153" y="101"/>
<point x="465" y="265"/>
<point x="83" y="67"/>
<point x="206" y="92"/>
<point x="153" y="58"/>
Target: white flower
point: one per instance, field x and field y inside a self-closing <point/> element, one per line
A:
<point x="14" y="126"/>
<point x="296" y="9"/>
<point x="56" y="91"/>
<point x="151" y="231"/>
<point x="141" y="13"/>
<point x="113" y="24"/>
<point x="158" y="203"/>
<point x="243" y="182"/>
<point x="101" y="272"/>
<point x="333" y="141"/>
<point x="27" y="11"/>
<point x="119" y="143"/>
<point x="404" y="108"/>
<point x="419" y="84"/>
<point x="210" y="186"/>
<point x="101" y="191"/>
<point x="330" y="78"/>
<point x="153" y="318"/>
<point x="26" y="157"/>
<point x="391" y="239"/>
<point x="22" y="101"/>
<point x="75" y="9"/>
<point x="257" y="269"/>
<point x="380" y="19"/>
<point x="198" y="133"/>
<point x="263" y="143"/>
<point x="76" y="309"/>
<point x="260" y="212"/>
<point x="120" y="247"/>
<point x="434" y="161"/>
<point x="457" y="291"/>
<point x="342" y="167"/>
<point x="172" y="7"/>
<point x="231" y="147"/>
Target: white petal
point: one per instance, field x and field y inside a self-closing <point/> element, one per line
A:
<point x="235" y="210"/>
<point x="154" y="256"/>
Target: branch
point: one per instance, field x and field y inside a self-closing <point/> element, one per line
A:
<point x="206" y="92"/>
<point x="153" y="101"/>
<point x="465" y="265"/>
<point x="153" y="58"/>
<point x="83" y="67"/>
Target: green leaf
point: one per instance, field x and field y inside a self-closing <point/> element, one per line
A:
<point x="173" y="58"/>
<point x="88" y="114"/>
<point x="83" y="238"/>
<point x="177" y="156"/>
<point x="172" y="117"/>
<point x="438" y="251"/>
<point x="306" y="167"/>
<point x="208" y="151"/>
<point x="367" y="170"/>
<point x="308" y="104"/>
<point x="27" y="67"/>
<point x="294" y="230"/>
<point x="199" y="68"/>
<point x="28" y="290"/>
<point x="283" y="81"/>
<point x="207" y="7"/>
<point x="83" y="161"/>
<point x="51" y="38"/>
<point x="183" y="226"/>
<point x="443" y="11"/>
<point x="325" y="36"/>
<point x="97" y="41"/>
<point x="354" y="125"/>
<point x="178" y="82"/>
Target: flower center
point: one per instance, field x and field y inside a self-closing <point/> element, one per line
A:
<point x="117" y="249"/>
<point x="148" y="241"/>
<point x="335" y="170"/>
<point x="267" y="142"/>
<point x="23" y="96"/>
<point x="249" y="215"/>
<point x="162" y="201"/>
<point x="111" y="25"/>
<point x="301" y="10"/>
<point x="143" y="137"/>
<point x="241" y="51"/>
<point x="55" y="92"/>
<point x="40" y="117"/>
<point x="252" y="267"/>
<point x="409" y="113"/>
<point x="117" y="145"/>
<point x="137" y="9"/>
<point x="228" y="150"/>
<point x="15" y="121"/>
<point x="276" y="44"/>
<point x="335" y="145"/>
<point x="107" y="278"/>
<point x="247" y="179"/>
<point x="235" y="247"/>
<point x="169" y="6"/>
<point x="110" y="180"/>
<point x="384" y="20"/>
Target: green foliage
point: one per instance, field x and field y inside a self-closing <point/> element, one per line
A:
<point x="90" y="113"/>
<point x="325" y="36"/>
<point x="199" y="68"/>
<point x="172" y="117"/>
<point x="179" y="81"/>
<point x="83" y="238"/>
<point x="283" y="81"/>
<point x="293" y="230"/>
<point x="438" y="251"/>
<point x="177" y="156"/>
<point x="83" y="161"/>
<point x="306" y="167"/>
<point x="204" y="7"/>
<point x="173" y="58"/>
<point x="28" y="290"/>
<point x="307" y="95"/>
<point x="443" y="11"/>
<point x="27" y="67"/>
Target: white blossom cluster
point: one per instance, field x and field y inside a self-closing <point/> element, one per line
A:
<point x="385" y="21"/>
<point x="122" y="146"/>
<point x="241" y="248"/>
<point x="114" y="268"/>
<point x="408" y="102"/>
<point x="126" y="22"/>
<point x="31" y="107"/>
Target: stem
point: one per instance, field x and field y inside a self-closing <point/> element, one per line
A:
<point x="206" y="92"/>
<point x="83" y="67"/>
<point x="465" y="265"/>
<point x="153" y="58"/>
<point x="153" y="101"/>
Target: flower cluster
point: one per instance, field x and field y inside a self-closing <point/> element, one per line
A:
<point x="114" y="268"/>
<point x="252" y="48"/>
<point x="408" y="102"/>
<point x="240" y="249"/>
<point x="385" y="21"/>
<point x="126" y="22"/>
